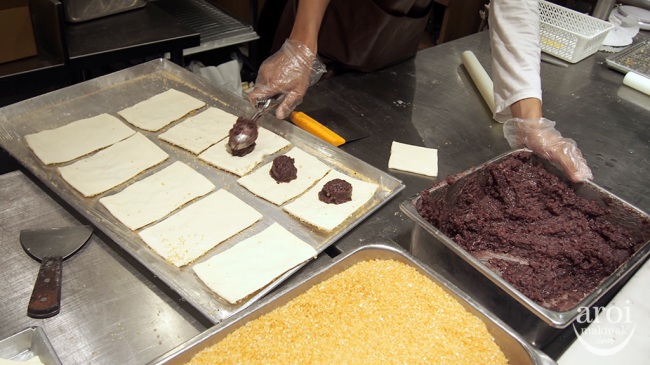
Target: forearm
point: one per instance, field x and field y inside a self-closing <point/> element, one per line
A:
<point x="309" y="17"/>
<point x="514" y="36"/>
<point x="529" y="108"/>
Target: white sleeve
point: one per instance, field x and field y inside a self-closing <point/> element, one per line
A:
<point x="514" y="39"/>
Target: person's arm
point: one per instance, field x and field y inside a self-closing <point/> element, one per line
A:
<point x="514" y="38"/>
<point x="529" y="108"/>
<point x="290" y="71"/>
<point x="306" y="26"/>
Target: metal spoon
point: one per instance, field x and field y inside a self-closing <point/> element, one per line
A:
<point x="244" y="140"/>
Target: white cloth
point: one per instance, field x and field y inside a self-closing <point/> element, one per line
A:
<point x="514" y="39"/>
<point x="626" y="27"/>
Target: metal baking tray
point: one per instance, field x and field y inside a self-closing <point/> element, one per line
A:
<point x="537" y="324"/>
<point x="635" y="58"/>
<point x="515" y="348"/>
<point x="27" y="344"/>
<point x="116" y="91"/>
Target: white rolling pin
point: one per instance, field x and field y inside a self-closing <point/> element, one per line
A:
<point x="481" y="79"/>
<point x="637" y="82"/>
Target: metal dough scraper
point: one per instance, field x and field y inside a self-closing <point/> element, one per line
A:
<point x="51" y="246"/>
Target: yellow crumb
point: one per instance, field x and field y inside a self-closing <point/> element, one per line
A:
<point x="378" y="311"/>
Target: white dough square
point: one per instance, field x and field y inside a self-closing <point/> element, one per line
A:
<point x="200" y="131"/>
<point x="309" y="209"/>
<point x="267" y="143"/>
<point x="261" y="183"/>
<point x="160" y="110"/>
<point x="155" y="196"/>
<point x="415" y="159"/>
<point x="78" y="138"/>
<point x="113" y="165"/>
<point x="196" y="229"/>
<point x="253" y="263"/>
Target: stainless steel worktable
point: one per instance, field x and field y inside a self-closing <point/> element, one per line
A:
<point x="114" y="311"/>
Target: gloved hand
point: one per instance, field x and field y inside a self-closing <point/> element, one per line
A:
<point x="543" y="139"/>
<point x="288" y="72"/>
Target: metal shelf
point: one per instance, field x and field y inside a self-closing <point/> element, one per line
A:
<point x="217" y="28"/>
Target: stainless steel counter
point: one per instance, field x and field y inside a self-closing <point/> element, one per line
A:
<point x="114" y="311"/>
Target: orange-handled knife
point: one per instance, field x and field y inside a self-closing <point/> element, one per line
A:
<point x="312" y="126"/>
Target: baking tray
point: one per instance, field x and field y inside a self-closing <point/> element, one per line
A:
<point x="537" y="324"/>
<point x="116" y="91"/>
<point x="27" y="344"/>
<point x="516" y="349"/>
<point x="635" y="58"/>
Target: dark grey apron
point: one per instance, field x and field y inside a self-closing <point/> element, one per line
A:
<point x="365" y="35"/>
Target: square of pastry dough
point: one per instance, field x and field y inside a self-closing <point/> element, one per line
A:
<point x="309" y="209"/>
<point x="78" y="138"/>
<point x="200" y="131"/>
<point x="157" y="195"/>
<point x="197" y="228"/>
<point x="253" y="263"/>
<point x="415" y="159"/>
<point x="261" y="183"/>
<point x="267" y="143"/>
<point x="160" y="110"/>
<point x="113" y="165"/>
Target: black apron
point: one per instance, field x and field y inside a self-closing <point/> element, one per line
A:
<point x="365" y="35"/>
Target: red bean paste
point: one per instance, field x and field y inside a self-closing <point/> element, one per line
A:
<point x="242" y="126"/>
<point x="283" y="169"/>
<point x="336" y="191"/>
<point x="529" y="226"/>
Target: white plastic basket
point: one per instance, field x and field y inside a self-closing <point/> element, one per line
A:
<point x="568" y="34"/>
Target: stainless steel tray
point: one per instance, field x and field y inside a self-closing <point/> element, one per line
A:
<point x="116" y="91"/>
<point x="516" y="349"/>
<point x="534" y="322"/>
<point x="27" y="344"/>
<point x="635" y="58"/>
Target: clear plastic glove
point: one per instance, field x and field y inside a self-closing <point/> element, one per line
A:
<point x="287" y="74"/>
<point x="542" y="138"/>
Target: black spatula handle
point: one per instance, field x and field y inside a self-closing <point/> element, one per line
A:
<point x="46" y="296"/>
